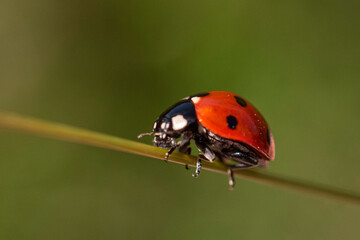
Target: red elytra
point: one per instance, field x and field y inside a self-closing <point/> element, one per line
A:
<point x="251" y="129"/>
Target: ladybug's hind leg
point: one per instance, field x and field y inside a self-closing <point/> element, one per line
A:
<point x="235" y="167"/>
<point x="243" y="161"/>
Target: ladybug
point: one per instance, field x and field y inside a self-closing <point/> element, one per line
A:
<point x="223" y="125"/>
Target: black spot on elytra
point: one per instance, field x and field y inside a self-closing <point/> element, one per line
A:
<point x="268" y="136"/>
<point x="231" y="121"/>
<point x="240" y="101"/>
<point x="200" y="95"/>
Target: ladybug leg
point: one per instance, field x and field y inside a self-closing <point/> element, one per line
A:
<point x="243" y="158"/>
<point x="184" y="148"/>
<point x="199" y="165"/>
<point x="231" y="178"/>
<point x="245" y="161"/>
<point x="182" y="145"/>
<point x="207" y="154"/>
<point x="198" y="168"/>
<point x="167" y="155"/>
<point x="235" y="167"/>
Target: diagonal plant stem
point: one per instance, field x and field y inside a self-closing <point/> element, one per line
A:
<point x="10" y="121"/>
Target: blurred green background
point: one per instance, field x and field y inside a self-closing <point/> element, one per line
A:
<point x="114" y="66"/>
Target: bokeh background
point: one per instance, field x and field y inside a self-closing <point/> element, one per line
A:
<point x="113" y="66"/>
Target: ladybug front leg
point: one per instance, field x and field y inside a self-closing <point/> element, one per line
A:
<point x="182" y="145"/>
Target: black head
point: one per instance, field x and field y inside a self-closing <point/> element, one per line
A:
<point x="172" y="123"/>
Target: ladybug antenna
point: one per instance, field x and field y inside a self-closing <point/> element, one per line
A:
<point x="145" y="134"/>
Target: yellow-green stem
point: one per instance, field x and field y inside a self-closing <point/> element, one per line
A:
<point x="10" y="121"/>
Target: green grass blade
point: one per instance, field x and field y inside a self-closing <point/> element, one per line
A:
<point x="10" y="121"/>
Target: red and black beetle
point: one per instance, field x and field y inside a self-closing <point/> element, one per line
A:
<point x="222" y="124"/>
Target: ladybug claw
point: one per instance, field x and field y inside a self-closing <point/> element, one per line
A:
<point x="166" y="158"/>
<point x="198" y="169"/>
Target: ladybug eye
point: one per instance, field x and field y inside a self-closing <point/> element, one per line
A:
<point x="240" y="101"/>
<point x="165" y="126"/>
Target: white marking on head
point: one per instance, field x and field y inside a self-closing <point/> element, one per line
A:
<point x="195" y="99"/>
<point x="163" y="125"/>
<point x="155" y="124"/>
<point x="179" y="122"/>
